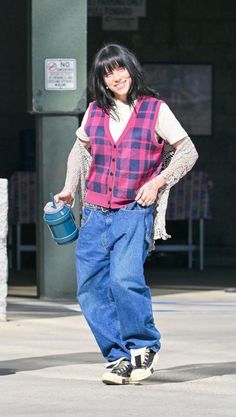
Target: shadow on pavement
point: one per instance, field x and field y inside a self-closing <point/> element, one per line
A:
<point x="193" y="372"/>
<point x="50" y="361"/>
<point x="34" y="310"/>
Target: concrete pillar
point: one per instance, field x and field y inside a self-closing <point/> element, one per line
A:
<point x="3" y="246"/>
<point x="57" y="96"/>
<point x="55" y="264"/>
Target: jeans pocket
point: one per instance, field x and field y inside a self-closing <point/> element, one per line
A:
<point x="86" y="215"/>
<point x="134" y="206"/>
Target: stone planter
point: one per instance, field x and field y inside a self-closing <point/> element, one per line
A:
<point x="3" y="247"/>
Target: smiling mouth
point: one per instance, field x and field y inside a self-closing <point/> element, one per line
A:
<point x="120" y="85"/>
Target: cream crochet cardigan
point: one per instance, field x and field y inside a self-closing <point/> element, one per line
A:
<point x="176" y="163"/>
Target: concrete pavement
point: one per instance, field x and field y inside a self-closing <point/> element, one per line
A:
<point x="50" y="365"/>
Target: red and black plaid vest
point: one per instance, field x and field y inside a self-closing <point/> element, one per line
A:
<point x="119" y="169"/>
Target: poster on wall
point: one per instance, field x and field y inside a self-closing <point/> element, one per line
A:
<point x="187" y="89"/>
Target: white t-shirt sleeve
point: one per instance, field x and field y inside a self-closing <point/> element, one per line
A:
<point x="80" y="133"/>
<point x="168" y="127"/>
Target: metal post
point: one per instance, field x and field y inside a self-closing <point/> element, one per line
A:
<point x="190" y="242"/>
<point x="201" y="244"/>
<point x="18" y="245"/>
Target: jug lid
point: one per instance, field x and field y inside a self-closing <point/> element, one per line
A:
<point x="49" y="209"/>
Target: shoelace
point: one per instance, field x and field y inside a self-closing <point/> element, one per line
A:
<point x="121" y="368"/>
<point x="146" y="357"/>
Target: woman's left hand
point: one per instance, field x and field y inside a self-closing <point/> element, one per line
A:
<point x="147" y="194"/>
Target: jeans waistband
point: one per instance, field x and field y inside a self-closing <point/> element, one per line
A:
<point x="132" y="206"/>
<point x="96" y="207"/>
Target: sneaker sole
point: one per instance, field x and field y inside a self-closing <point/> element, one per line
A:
<point x="141" y="374"/>
<point x="113" y="379"/>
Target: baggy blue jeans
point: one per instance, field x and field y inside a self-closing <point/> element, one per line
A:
<point x="114" y="298"/>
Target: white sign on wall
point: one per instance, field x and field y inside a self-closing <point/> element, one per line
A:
<point x="60" y="74"/>
<point x="97" y="7"/>
<point x="118" y="14"/>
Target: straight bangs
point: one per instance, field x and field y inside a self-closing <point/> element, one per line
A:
<point x="109" y="64"/>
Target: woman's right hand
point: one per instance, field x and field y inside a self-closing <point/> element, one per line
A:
<point x="65" y="196"/>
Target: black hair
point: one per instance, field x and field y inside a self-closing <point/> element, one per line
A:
<point x="107" y="59"/>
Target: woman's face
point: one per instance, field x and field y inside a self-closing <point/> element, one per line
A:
<point x="119" y="82"/>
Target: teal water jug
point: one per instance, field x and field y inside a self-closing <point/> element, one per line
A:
<point x="60" y="221"/>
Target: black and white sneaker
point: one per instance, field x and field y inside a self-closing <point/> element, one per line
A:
<point x="144" y="362"/>
<point x="119" y="374"/>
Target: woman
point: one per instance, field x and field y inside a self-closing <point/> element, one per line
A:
<point x="125" y="128"/>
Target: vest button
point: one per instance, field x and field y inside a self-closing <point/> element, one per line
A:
<point x="111" y="173"/>
<point x="115" y="146"/>
<point x="110" y="189"/>
<point x="113" y="159"/>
